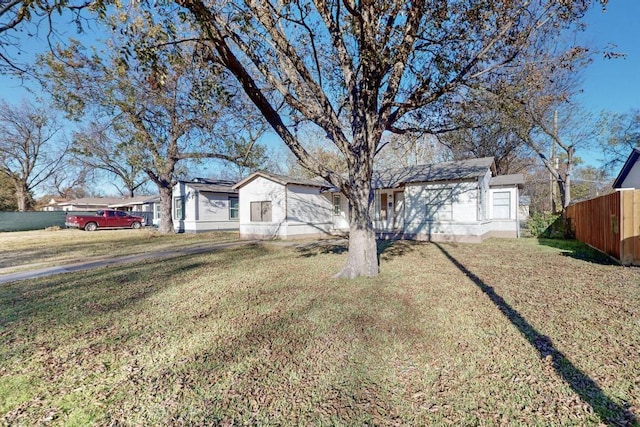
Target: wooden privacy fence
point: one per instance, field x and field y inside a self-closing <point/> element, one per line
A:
<point x="609" y="223"/>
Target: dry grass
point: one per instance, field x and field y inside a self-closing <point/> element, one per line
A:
<point x="506" y="332"/>
<point x="43" y="248"/>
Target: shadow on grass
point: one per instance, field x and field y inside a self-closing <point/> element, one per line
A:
<point x="578" y="250"/>
<point x="387" y="248"/>
<point x="607" y="410"/>
<point x="322" y="248"/>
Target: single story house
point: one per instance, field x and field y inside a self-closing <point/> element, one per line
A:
<point x="88" y="203"/>
<point x="629" y="175"/>
<point x="205" y="205"/>
<point x="278" y="206"/>
<point x="451" y="201"/>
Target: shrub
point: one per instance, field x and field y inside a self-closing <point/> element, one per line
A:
<point x="546" y="224"/>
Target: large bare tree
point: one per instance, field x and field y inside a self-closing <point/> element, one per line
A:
<point x="31" y="150"/>
<point x="109" y="147"/>
<point x="358" y="69"/>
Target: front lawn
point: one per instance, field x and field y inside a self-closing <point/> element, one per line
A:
<point x="504" y="332"/>
<point x="23" y="250"/>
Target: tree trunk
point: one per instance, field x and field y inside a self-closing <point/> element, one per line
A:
<point x="166" y="219"/>
<point x="23" y="198"/>
<point x="363" y="251"/>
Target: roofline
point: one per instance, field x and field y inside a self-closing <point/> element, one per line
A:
<point x="631" y="160"/>
<point x="276" y="179"/>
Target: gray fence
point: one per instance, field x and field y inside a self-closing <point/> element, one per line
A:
<point x="24" y="221"/>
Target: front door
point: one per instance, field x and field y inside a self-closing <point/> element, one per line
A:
<point x="398" y="211"/>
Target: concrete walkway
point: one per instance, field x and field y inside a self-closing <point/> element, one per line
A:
<point x="101" y="262"/>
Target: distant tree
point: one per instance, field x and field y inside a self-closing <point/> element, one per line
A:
<point x="590" y="182"/>
<point x="109" y="147"/>
<point x="8" y="200"/>
<point x="31" y="150"/>
<point x="359" y="70"/>
<point x="531" y="111"/>
<point x="409" y="149"/>
<point x="482" y="130"/>
<point x="173" y="109"/>
<point x="621" y="134"/>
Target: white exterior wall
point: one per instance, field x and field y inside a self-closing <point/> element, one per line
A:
<point x="464" y="223"/>
<point x="505" y="227"/>
<point x="263" y="190"/>
<point x="203" y="210"/>
<point x="308" y="211"/>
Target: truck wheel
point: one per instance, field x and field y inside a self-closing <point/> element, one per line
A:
<point x="91" y="226"/>
<point x="136" y="225"/>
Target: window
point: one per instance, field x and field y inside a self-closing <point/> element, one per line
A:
<point x="234" y="208"/>
<point x="156" y="210"/>
<point x="336" y="204"/>
<point x="260" y="211"/>
<point x="502" y="205"/>
<point x="178" y="208"/>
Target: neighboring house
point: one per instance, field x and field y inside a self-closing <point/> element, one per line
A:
<point x="205" y="205"/>
<point x="53" y="204"/>
<point x="89" y="203"/>
<point x="148" y="206"/>
<point x="458" y="201"/>
<point x="277" y="206"/>
<point x="629" y="176"/>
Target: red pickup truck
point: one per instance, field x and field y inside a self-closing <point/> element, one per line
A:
<point x="104" y="219"/>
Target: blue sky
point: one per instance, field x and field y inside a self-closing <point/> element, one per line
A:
<point x="613" y="84"/>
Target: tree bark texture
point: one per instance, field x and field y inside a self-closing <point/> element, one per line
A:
<point x="362" y="259"/>
<point x="166" y="217"/>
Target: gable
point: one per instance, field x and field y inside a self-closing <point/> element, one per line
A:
<point x="629" y="176"/>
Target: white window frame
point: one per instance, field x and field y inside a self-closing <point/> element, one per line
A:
<point x="265" y="207"/>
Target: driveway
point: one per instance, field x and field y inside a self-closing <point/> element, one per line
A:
<point x="101" y="262"/>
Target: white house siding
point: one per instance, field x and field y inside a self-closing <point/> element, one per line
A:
<point x="308" y="212"/>
<point x="203" y="211"/>
<point x="455" y="220"/>
<point x="504" y="217"/>
<point x="263" y="190"/>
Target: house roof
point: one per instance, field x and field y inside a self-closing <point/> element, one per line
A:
<point x="92" y="201"/>
<point x="628" y="165"/>
<point x="390" y="178"/>
<point x="137" y="200"/>
<point x="110" y="201"/>
<point x="282" y="179"/>
<point x="507" y="180"/>
<point x="446" y="171"/>
<point x="213" y="188"/>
